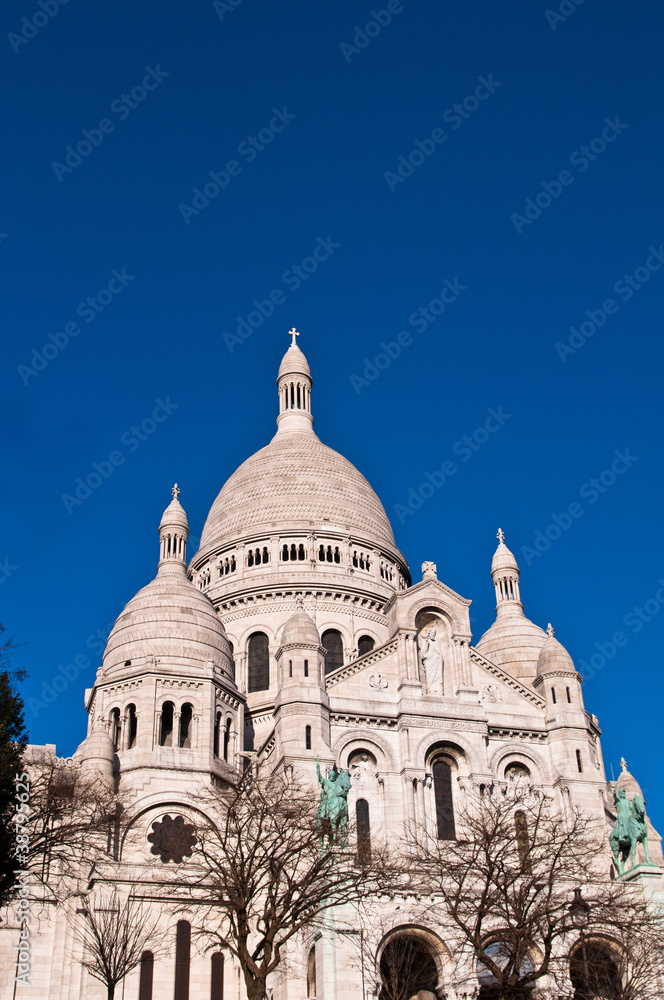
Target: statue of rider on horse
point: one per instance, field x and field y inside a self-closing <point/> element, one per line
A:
<point x="332" y="815"/>
<point x="630" y="829"/>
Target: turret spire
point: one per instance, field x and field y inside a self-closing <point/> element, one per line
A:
<point x="505" y="575"/>
<point x="294" y="385"/>
<point x="173" y="534"/>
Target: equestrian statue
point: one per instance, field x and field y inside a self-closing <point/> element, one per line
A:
<point x="332" y="815"/>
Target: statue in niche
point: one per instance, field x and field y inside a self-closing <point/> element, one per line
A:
<point x="432" y="661"/>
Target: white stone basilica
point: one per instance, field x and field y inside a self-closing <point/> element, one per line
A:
<point x="296" y="631"/>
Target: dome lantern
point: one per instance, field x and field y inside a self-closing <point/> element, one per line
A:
<point x="294" y="385"/>
<point x="505" y="575"/>
<point x="173" y="534"/>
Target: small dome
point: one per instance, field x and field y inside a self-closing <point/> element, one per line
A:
<point x="628" y="782"/>
<point x="553" y="657"/>
<point x="503" y="560"/>
<point x="294" y="363"/>
<point x="174" y="516"/>
<point x="300" y="630"/>
<point x="170" y="618"/>
<point x="96" y="752"/>
<point x="514" y="643"/>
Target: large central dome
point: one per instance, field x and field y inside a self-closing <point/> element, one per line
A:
<point x="296" y="481"/>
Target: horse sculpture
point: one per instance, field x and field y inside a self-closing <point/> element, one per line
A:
<point x="332" y="815"/>
<point x="630" y="829"/>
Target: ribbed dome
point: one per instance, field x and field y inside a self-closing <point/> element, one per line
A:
<point x="296" y="482"/>
<point x="300" y="630"/>
<point x="514" y="643"/>
<point x="294" y="363"/>
<point x="553" y="657"/>
<point x="170" y="617"/>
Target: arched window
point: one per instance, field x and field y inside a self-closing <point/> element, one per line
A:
<point x="284" y="553"/>
<point x="227" y="738"/>
<point x="258" y="673"/>
<point x="363" y="831"/>
<point x="217" y="976"/>
<point x="442" y="787"/>
<point x="250" y="558"/>
<point x="553" y="695"/>
<point x="182" y="960"/>
<point x="307" y="737"/>
<point x="334" y="649"/>
<point x="595" y="973"/>
<point x="217" y="726"/>
<point x="365" y="644"/>
<point x="293" y="552"/>
<point x="166" y="728"/>
<point x="146" y="975"/>
<point x="132" y="726"/>
<point x="522" y="842"/>
<point x="406" y="967"/>
<point x="300" y="552"/>
<point x="311" y="972"/>
<point x="116" y="729"/>
<point x="306" y="668"/>
<point x="321" y="553"/>
<point x="266" y="554"/>
<point x="579" y="762"/>
<point x="337" y="557"/>
<point x="186" y="715"/>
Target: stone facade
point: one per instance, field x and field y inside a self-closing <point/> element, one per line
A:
<point x="295" y="632"/>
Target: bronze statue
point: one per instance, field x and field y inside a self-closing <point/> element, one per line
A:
<point x="332" y="815"/>
<point x="630" y="829"/>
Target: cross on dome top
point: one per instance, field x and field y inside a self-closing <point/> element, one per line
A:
<point x="501" y="535"/>
<point x="549" y="630"/>
<point x="623" y="764"/>
<point x="293" y="333"/>
<point x="175" y="491"/>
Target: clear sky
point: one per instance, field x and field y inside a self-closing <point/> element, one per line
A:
<point x="168" y="168"/>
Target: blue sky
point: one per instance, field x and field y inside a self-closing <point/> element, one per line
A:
<point x="508" y="158"/>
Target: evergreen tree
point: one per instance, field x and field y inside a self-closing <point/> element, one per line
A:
<point x="13" y="739"/>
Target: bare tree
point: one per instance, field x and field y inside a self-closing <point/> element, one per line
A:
<point x="507" y="887"/>
<point x="115" y="934"/>
<point x="266" y="875"/>
<point x="71" y="822"/>
<point x="406" y="967"/>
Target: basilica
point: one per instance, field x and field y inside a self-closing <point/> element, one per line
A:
<point x="297" y="633"/>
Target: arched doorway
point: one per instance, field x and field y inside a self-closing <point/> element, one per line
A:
<point x="594" y="971"/>
<point x="407" y="969"/>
